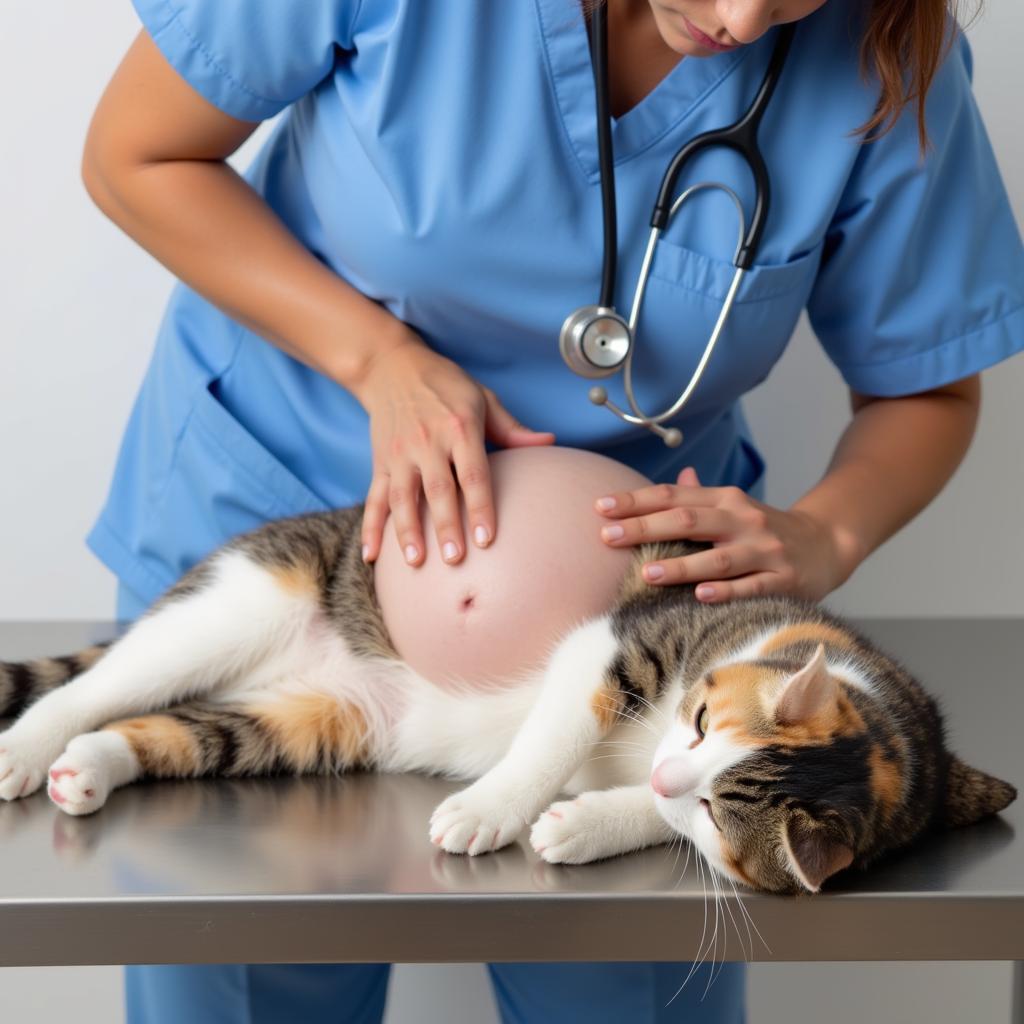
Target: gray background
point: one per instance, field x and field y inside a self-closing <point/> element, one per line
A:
<point x="80" y="307"/>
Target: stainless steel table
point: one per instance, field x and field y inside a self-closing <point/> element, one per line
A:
<point x="332" y="870"/>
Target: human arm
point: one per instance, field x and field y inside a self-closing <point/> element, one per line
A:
<point x="155" y="163"/>
<point x="892" y="460"/>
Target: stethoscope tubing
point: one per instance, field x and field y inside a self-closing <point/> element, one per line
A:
<point x="740" y="136"/>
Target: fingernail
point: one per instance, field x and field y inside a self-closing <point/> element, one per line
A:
<point x="449" y="551"/>
<point x="481" y="535"/>
<point x="705" y="592"/>
<point x="366" y="551"/>
<point x="605" y="504"/>
<point x="411" y="551"/>
<point x="612" y="532"/>
<point x="653" y="572"/>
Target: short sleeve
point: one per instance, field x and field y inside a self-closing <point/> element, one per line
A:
<point x="250" y="58"/>
<point x="922" y="276"/>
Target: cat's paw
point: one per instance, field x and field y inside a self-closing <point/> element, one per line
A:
<point x="574" y="832"/>
<point x="80" y="780"/>
<point x="479" y="819"/>
<point x="22" y="767"/>
<point x="77" y="789"/>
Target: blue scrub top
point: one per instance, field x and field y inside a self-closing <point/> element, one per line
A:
<point x="440" y="155"/>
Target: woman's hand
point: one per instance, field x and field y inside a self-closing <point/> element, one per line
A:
<point x="757" y="549"/>
<point x="427" y="414"/>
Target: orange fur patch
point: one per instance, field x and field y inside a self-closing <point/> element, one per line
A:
<point x="735" y="864"/>
<point x="296" y="579"/>
<point x="164" y="746"/>
<point x="886" y="780"/>
<point x="738" y="702"/>
<point x="814" y="632"/>
<point x="734" y="701"/>
<point x="842" y="720"/>
<point x="606" y="705"/>
<point x="303" y="724"/>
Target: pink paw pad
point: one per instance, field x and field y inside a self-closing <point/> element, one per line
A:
<point x="555" y="814"/>
<point x="56" y="773"/>
<point x="54" y="795"/>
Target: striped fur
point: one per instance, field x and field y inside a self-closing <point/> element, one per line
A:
<point x="22" y="683"/>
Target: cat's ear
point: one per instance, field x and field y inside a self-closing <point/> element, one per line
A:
<point x="972" y="795"/>
<point x="806" y="692"/>
<point x="813" y="853"/>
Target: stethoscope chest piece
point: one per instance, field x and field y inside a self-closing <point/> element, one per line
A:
<point x="594" y="341"/>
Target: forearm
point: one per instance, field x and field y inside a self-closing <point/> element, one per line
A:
<point x="892" y="460"/>
<point x="207" y="226"/>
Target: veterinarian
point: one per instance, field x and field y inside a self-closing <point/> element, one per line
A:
<point x="379" y="297"/>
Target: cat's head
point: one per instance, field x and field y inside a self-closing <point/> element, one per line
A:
<point x="770" y="770"/>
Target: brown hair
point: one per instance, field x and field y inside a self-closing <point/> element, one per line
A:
<point x="904" y="42"/>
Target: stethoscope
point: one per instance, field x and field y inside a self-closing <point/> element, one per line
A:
<point x="595" y="340"/>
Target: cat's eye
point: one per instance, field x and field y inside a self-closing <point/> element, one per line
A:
<point x="702" y="721"/>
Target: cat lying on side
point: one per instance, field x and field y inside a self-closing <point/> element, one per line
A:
<point x="783" y="744"/>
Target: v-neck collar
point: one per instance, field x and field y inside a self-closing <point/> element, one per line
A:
<point x="667" y="105"/>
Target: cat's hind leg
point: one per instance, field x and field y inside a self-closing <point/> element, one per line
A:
<point x="220" y="622"/>
<point x="297" y="734"/>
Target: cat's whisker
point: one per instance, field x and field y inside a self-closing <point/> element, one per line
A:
<point x="679" y="850"/>
<point x="654" y="707"/>
<point x="744" y="918"/>
<point x="620" y="753"/>
<point x="751" y="922"/>
<point x="632" y="716"/>
<point x="714" y="948"/>
<point x="700" y="946"/>
<point x="725" y="933"/>
<point x="735" y="924"/>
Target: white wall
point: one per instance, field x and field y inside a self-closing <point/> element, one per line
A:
<point x="80" y="305"/>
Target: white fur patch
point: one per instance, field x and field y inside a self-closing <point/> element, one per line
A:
<point x="715" y="754"/>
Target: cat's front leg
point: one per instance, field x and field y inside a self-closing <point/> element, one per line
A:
<point x="186" y="645"/>
<point x="577" y="704"/>
<point x="598" y="824"/>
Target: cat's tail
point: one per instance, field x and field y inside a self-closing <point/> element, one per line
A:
<point x="23" y="682"/>
<point x="972" y="795"/>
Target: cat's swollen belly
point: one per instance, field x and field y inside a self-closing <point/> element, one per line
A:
<point x="501" y="609"/>
<point x="249" y="637"/>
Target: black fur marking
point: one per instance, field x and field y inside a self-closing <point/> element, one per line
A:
<point x="625" y="685"/>
<point x="746" y="780"/>
<point x="228" y="748"/>
<point x="832" y="776"/>
<point x="745" y="798"/>
<point x="659" y="668"/>
<point x="71" y="663"/>
<point x="22" y="678"/>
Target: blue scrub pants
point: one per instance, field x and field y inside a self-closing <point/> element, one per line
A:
<point x="598" y="993"/>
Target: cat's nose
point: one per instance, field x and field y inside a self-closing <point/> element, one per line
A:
<point x="673" y="777"/>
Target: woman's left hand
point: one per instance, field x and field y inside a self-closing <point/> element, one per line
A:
<point x="757" y="549"/>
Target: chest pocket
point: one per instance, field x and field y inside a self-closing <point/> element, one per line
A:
<point x="684" y="297"/>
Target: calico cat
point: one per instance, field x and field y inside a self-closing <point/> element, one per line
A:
<point x="785" y="746"/>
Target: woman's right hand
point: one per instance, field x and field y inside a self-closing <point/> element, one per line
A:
<point x="426" y="416"/>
